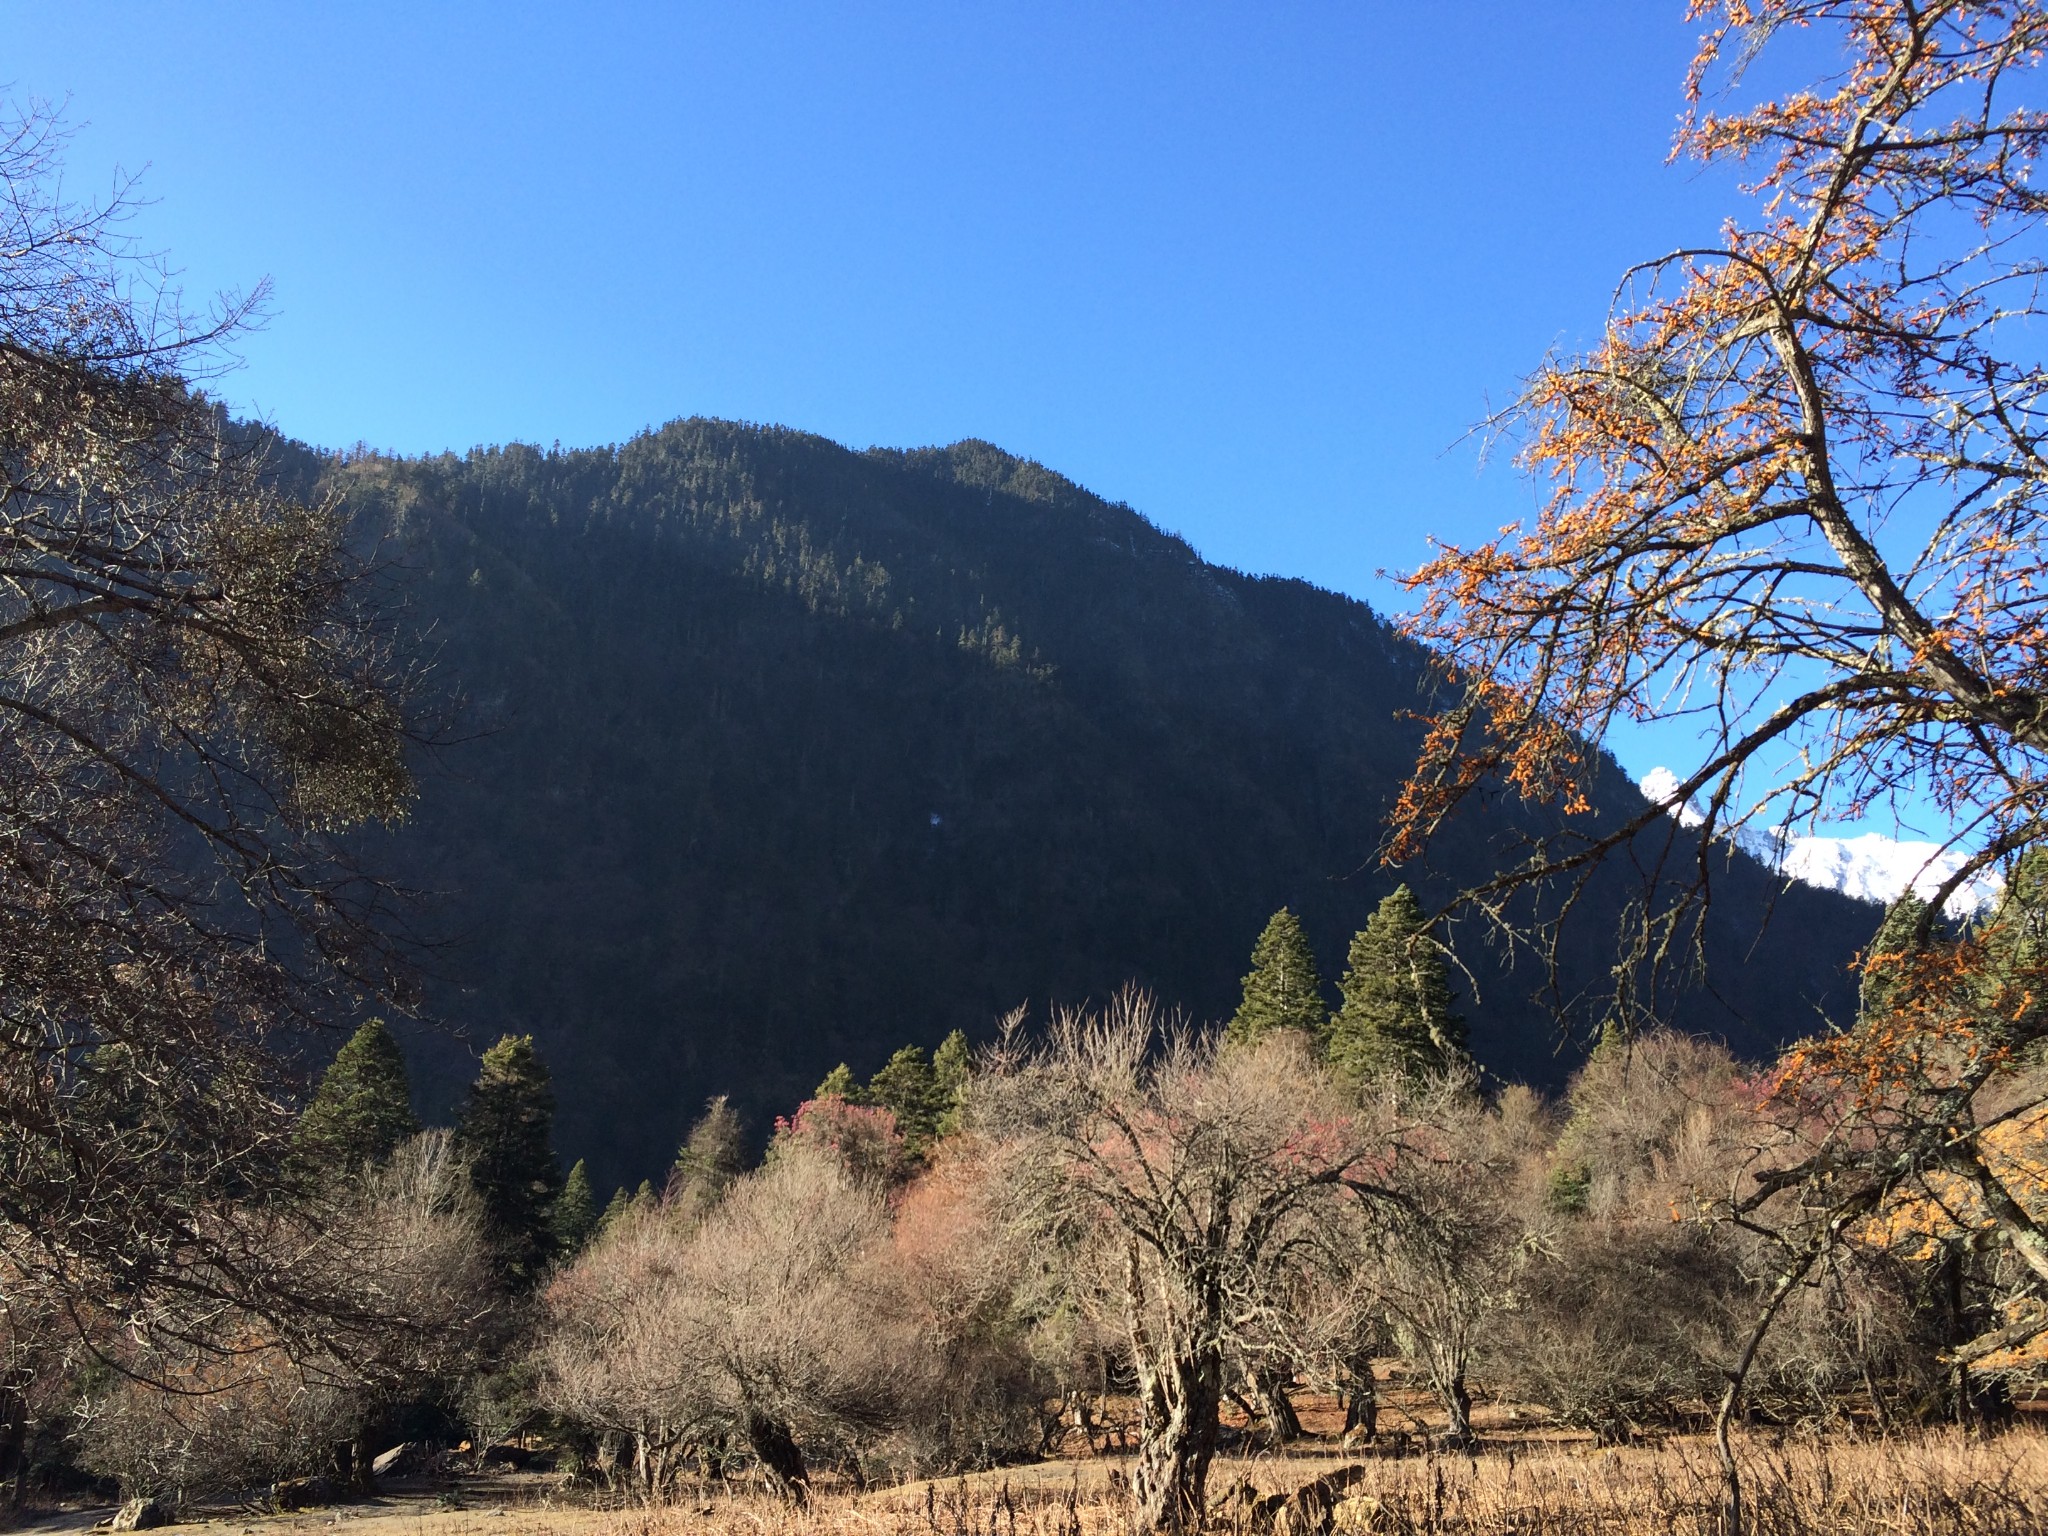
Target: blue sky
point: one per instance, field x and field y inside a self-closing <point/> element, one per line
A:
<point x="1254" y="269"/>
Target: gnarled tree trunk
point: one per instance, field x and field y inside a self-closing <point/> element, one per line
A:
<point x="1270" y="1386"/>
<point x="780" y="1456"/>
<point x="1180" y="1397"/>
<point x="1361" y="1398"/>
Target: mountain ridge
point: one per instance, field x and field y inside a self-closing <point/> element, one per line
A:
<point x="794" y="753"/>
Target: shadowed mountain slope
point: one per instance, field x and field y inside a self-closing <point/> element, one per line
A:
<point x="792" y="754"/>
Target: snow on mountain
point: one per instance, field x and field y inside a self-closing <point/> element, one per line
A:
<point x="1870" y="867"/>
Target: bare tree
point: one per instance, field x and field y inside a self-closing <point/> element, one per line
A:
<point x="196" y="706"/>
<point x="1183" y="1183"/>
<point x="1436" y="1258"/>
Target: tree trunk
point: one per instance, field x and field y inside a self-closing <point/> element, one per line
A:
<point x="362" y="1475"/>
<point x="1361" y="1398"/>
<point x="780" y="1457"/>
<point x="1283" y="1424"/>
<point x="1180" y="1398"/>
<point x="1457" y="1403"/>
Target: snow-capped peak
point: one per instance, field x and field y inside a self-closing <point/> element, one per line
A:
<point x="1870" y="866"/>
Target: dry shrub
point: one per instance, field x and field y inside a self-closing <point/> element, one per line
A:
<point x="399" y="1266"/>
<point x="975" y="1382"/>
<point x="768" y="1325"/>
<point x="799" y="1318"/>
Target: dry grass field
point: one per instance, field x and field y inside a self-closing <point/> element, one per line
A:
<point x="1940" y="1482"/>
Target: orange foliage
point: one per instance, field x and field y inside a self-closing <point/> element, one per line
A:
<point x="1796" y="487"/>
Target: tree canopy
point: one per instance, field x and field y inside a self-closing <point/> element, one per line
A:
<point x="198" y="702"/>
<point x="1397" y="1014"/>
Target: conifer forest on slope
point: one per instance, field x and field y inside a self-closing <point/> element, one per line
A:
<point x="771" y="754"/>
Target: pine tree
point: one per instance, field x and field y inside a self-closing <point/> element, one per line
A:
<point x="1397" y="1014"/>
<point x="506" y="1132"/>
<point x="1884" y="960"/>
<point x="573" y="1217"/>
<point x="908" y="1089"/>
<point x="840" y="1083"/>
<point x="2016" y="947"/>
<point x="952" y="1065"/>
<point x="714" y="1155"/>
<point x="1283" y="990"/>
<point x="620" y="1203"/>
<point x="362" y="1108"/>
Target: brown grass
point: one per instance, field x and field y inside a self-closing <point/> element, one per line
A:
<point x="1931" y="1484"/>
<point x="1941" y="1482"/>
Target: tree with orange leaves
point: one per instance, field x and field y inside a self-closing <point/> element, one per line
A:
<point x="1795" y="488"/>
<point x="1795" y="495"/>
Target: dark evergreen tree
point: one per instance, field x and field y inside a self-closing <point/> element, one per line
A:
<point x="1283" y="990"/>
<point x="362" y="1108"/>
<point x="952" y="1065"/>
<point x="1397" y="1014"/>
<point x="711" y="1159"/>
<point x="507" y="1134"/>
<point x="908" y="1089"/>
<point x="1885" y="959"/>
<point x="574" y="1216"/>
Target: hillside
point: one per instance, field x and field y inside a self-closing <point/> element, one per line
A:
<point x="787" y="753"/>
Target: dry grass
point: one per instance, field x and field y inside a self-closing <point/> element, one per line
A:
<point x="1942" y="1482"/>
<point x="1933" y="1484"/>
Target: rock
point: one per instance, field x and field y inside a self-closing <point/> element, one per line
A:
<point x="140" y="1515"/>
<point x="1248" y="1509"/>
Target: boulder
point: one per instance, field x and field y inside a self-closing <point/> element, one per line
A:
<point x="141" y="1515"/>
<point x="1311" y="1510"/>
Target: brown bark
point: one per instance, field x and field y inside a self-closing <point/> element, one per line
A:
<point x="780" y="1456"/>
<point x="1180" y="1397"/>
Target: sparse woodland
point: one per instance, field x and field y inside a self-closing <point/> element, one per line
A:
<point x="1310" y="1267"/>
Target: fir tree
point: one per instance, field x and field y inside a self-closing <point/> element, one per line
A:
<point x="573" y="1218"/>
<point x="1283" y="990"/>
<point x="1397" y="1014"/>
<point x="507" y="1134"/>
<point x="907" y="1087"/>
<point x="952" y="1065"/>
<point x="840" y="1083"/>
<point x="1885" y="958"/>
<point x="362" y="1109"/>
<point x="714" y="1155"/>
<point x="620" y="1203"/>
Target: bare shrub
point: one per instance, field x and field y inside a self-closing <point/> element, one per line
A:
<point x="398" y="1267"/>
<point x="1435" y="1255"/>
<point x="765" y="1324"/>
<point x="976" y="1383"/>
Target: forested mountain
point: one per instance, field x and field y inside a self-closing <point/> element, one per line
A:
<point x="784" y="754"/>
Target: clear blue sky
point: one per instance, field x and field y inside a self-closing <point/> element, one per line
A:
<point x="1254" y="269"/>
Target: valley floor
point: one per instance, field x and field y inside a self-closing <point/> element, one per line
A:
<point x="1530" y="1478"/>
